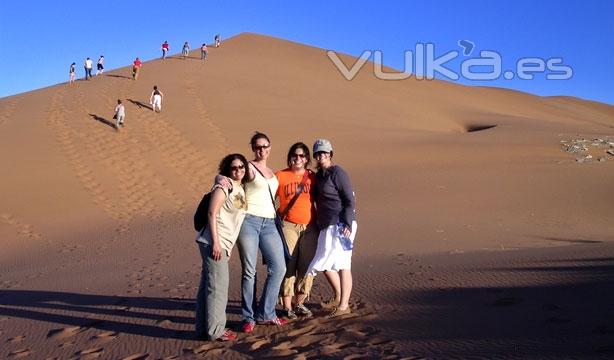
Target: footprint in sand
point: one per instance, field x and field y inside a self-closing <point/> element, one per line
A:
<point x="203" y="349"/>
<point x="207" y="347"/>
<point x="105" y="337"/>
<point x="8" y="219"/>
<point x="307" y="340"/>
<point x="250" y="338"/>
<point x="217" y="353"/>
<point x="16" y="354"/>
<point x="366" y="331"/>
<point x="343" y="317"/>
<point x="301" y="331"/>
<point x="356" y="356"/>
<point x="315" y="322"/>
<point x="140" y="356"/>
<point x="90" y="353"/>
<point x="328" y="350"/>
<point x="15" y="339"/>
<point x="64" y="333"/>
<point x="350" y="339"/>
<point x="164" y="323"/>
<point x="258" y="344"/>
<point x="122" y="309"/>
<point x="278" y="353"/>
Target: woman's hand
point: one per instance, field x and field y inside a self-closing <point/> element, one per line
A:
<point x="224" y="181"/>
<point x="216" y="251"/>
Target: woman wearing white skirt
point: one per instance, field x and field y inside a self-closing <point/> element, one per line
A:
<point x="336" y="205"/>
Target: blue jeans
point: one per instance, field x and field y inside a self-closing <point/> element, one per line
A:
<point x="212" y="296"/>
<point x="260" y="233"/>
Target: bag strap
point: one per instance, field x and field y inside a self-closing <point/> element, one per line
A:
<point x="299" y="191"/>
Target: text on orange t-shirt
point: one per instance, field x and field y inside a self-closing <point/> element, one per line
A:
<point x="303" y="211"/>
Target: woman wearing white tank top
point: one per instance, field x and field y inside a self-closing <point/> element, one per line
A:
<point x="259" y="232"/>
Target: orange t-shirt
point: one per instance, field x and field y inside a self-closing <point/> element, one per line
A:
<point x="303" y="211"/>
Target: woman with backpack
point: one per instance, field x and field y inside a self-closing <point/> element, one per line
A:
<point x="225" y="214"/>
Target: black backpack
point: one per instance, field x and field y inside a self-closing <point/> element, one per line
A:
<point x="201" y="217"/>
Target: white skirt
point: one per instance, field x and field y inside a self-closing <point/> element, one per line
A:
<point x="330" y="255"/>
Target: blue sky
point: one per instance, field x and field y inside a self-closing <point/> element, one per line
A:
<point x="41" y="38"/>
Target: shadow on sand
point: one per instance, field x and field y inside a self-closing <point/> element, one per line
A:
<point x="119" y="76"/>
<point x="557" y="308"/>
<point x="140" y="105"/>
<point x="104" y="121"/>
<point x="103" y="312"/>
<point x="189" y="57"/>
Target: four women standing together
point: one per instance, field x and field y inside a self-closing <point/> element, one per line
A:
<point x="317" y="209"/>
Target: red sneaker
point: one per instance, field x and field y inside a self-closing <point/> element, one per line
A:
<point x="248" y="326"/>
<point x="277" y="321"/>
<point x="228" y="335"/>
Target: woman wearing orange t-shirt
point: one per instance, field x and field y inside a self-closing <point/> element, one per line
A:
<point x="300" y="230"/>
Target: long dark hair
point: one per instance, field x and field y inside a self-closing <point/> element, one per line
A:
<point x="225" y="164"/>
<point x="302" y="146"/>
<point x="258" y="135"/>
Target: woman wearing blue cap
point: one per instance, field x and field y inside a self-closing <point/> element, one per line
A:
<point x="336" y="220"/>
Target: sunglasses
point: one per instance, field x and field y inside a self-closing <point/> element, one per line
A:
<point x="320" y="153"/>
<point x="235" y="168"/>
<point x="261" y="147"/>
<point x="299" y="156"/>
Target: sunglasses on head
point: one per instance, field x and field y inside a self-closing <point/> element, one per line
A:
<point x="261" y="147"/>
<point x="239" y="167"/>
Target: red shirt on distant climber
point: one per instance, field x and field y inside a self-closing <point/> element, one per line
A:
<point x="164" y="49"/>
<point x="136" y="66"/>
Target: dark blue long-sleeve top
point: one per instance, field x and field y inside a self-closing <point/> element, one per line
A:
<point x="335" y="200"/>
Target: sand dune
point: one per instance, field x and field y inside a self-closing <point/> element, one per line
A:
<point x="98" y="260"/>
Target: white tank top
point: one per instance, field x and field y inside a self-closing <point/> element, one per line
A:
<point x="258" y="198"/>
